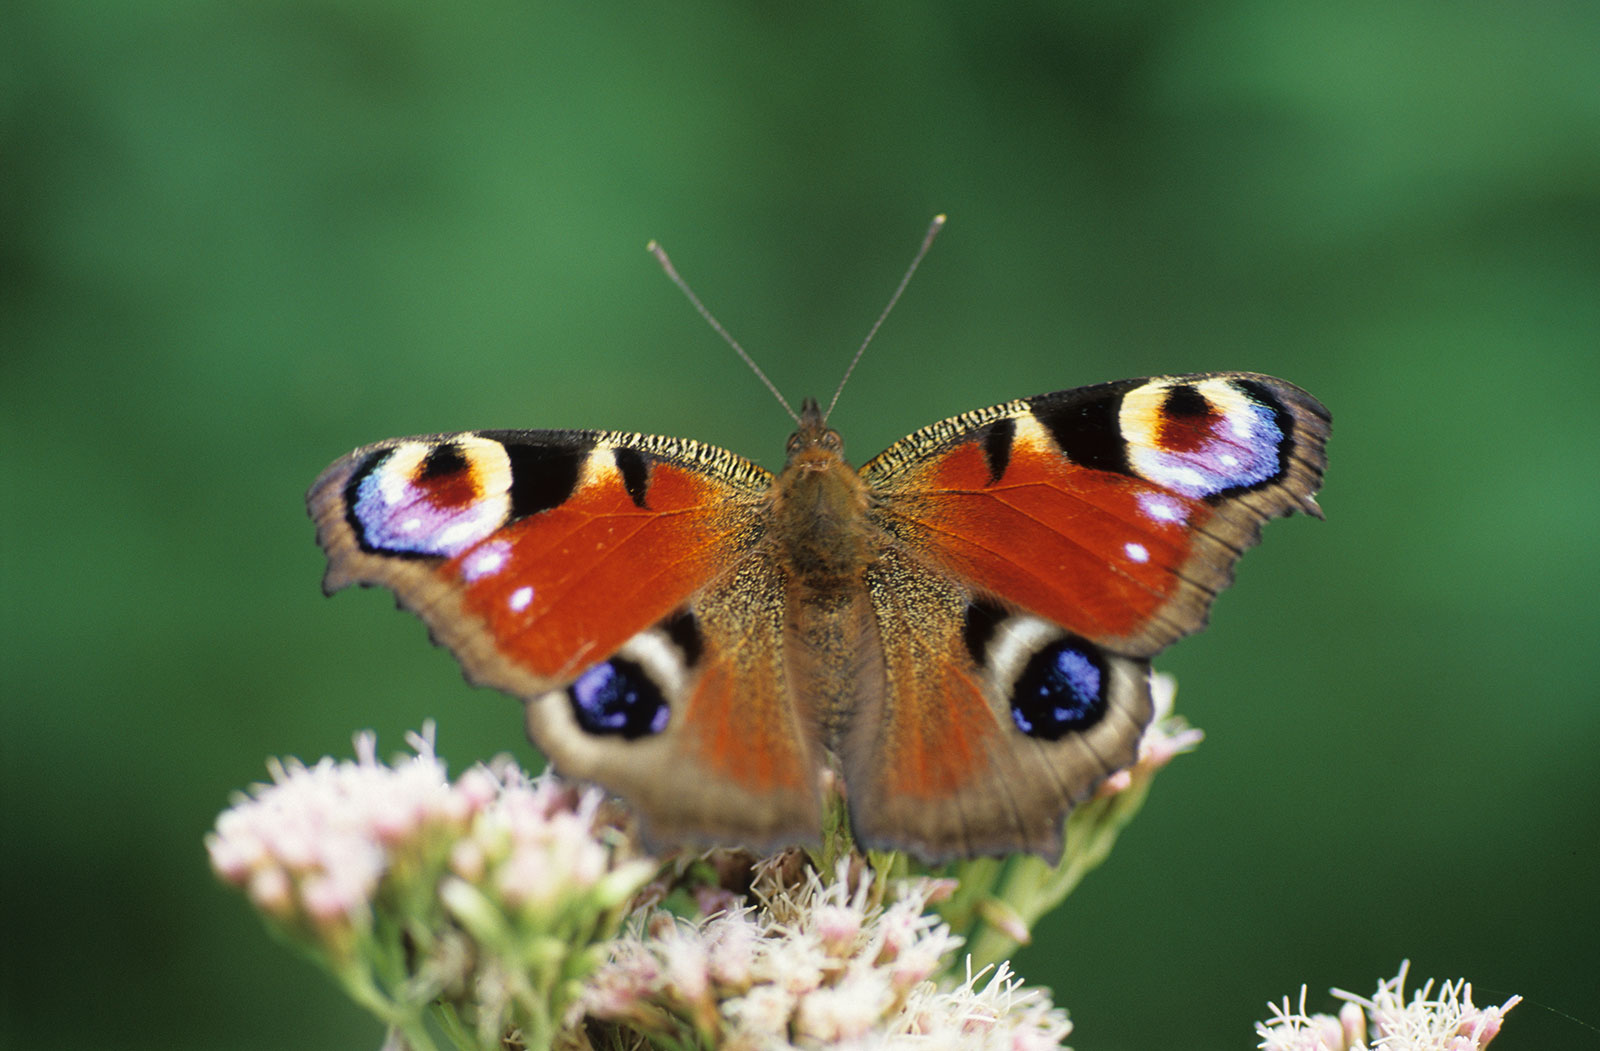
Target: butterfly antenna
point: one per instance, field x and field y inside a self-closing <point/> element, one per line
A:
<point x="927" y="241"/>
<point x="655" y="249"/>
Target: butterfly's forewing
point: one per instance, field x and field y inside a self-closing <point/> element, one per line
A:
<point x="1065" y="539"/>
<point x="1116" y="511"/>
<point x="606" y="579"/>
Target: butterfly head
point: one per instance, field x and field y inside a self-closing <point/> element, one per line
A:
<point x="814" y="446"/>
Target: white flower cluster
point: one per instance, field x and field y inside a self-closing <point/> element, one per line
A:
<point x="1430" y="1021"/>
<point x="489" y="898"/>
<point x="818" y="965"/>
<point x="315" y="843"/>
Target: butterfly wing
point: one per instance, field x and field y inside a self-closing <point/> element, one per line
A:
<point x="1040" y="552"/>
<point x="694" y="723"/>
<point x="619" y="584"/>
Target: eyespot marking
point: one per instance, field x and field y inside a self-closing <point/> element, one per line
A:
<point x="1205" y="438"/>
<point x="429" y="499"/>
<point x="618" y="698"/>
<point x="1061" y="690"/>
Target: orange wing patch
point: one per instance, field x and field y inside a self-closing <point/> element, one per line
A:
<point x="742" y="732"/>
<point x="1097" y="553"/>
<point x="566" y="587"/>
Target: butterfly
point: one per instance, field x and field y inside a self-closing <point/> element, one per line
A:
<point x="961" y="629"/>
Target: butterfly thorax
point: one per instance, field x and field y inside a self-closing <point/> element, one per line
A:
<point x="819" y="507"/>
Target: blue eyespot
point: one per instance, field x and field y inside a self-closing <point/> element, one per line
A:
<point x="617" y="698"/>
<point x="1062" y="690"/>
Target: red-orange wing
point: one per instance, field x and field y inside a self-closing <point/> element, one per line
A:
<point x="534" y="554"/>
<point x="1116" y="511"/>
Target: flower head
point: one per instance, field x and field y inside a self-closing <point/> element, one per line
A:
<point x="486" y="896"/>
<point x="312" y="848"/>
<point x="815" y="963"/>
<point x="1446" y="1020"/>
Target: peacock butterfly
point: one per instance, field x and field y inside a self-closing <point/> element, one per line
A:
<point x="962" y="628"/>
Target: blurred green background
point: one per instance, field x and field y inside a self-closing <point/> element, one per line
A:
<point x="238" y="240"/>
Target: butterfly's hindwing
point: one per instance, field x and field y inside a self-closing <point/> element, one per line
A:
<point x="990" y="726"/>
<point x="693" y="721"/>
